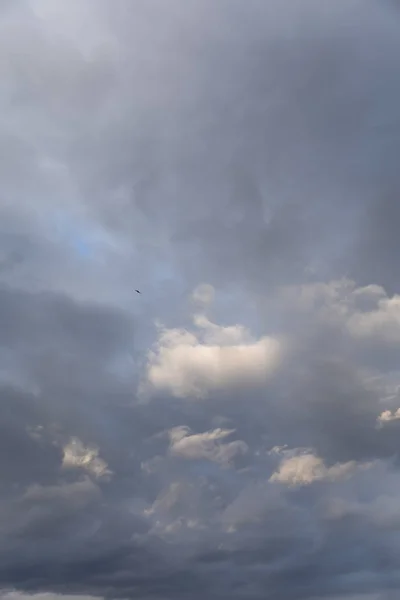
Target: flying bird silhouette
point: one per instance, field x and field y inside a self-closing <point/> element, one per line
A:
<point x="138" y="291"/>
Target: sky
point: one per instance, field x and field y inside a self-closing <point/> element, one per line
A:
<point x="233" y="431"/>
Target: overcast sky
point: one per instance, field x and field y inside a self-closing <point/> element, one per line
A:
<point x="233" y="431"/>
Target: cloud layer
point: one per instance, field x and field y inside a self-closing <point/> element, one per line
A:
<point x="233" y="431"/>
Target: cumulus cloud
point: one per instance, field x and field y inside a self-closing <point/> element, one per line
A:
<point x="237" y="162"/>
<point x="387" y="415"/>
<point x="210" y="358"/>
<point x="383" y="322"/>
<point x="366" y="315"/>
<point x="306" y="468"/>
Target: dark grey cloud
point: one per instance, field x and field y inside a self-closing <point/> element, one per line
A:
<point x="239" y="443"/>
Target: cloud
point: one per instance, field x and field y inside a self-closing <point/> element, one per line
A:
<point x="13" y="595"/>
<point x="366" y="315"/>
<point x="208" y="445"/>
<point x="304" y="469"/>
<point x="238" y="163"/>
<point x="211" y="358"/>
<point x="76" y="455"/>
<point x="203" y="294"/>
<point x="386" y="416"/>
<point x="382" y="322"/>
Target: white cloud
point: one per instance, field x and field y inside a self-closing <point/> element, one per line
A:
<point x="212" y="357"/>
<point x="76" y="455"/>
<point x="304" y="469"/>
<point x="387" y="415"/>
<point x="208" y="445"/>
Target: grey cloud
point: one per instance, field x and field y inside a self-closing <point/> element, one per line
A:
<point x="251" y="147"/>
<point x="227" y="112"/>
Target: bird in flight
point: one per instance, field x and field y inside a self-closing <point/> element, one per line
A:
<point x="137" y="291"/>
